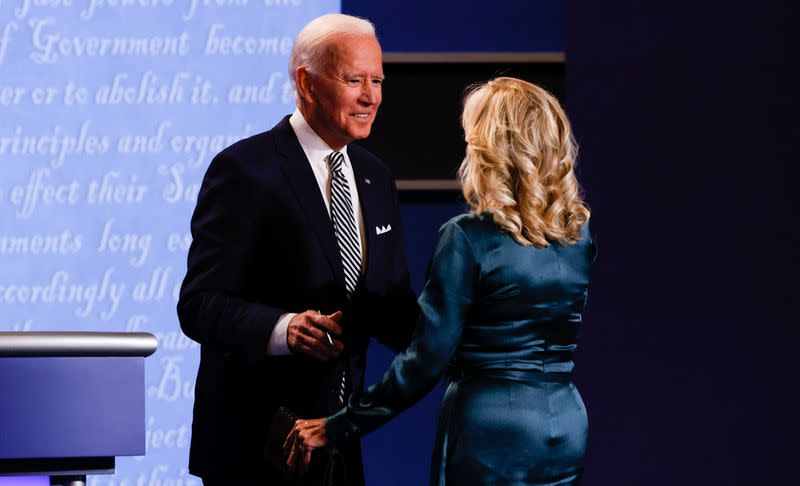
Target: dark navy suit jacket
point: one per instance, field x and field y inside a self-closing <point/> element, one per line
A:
<point x="263" y="245"/>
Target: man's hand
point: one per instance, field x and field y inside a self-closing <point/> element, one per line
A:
<point x="310" y="331"/>
<point x="305" y="437"/>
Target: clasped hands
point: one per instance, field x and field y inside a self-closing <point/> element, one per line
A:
<point x="315" y="334"/>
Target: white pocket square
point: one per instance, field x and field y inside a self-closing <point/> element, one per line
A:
<point x="379" y="230"/>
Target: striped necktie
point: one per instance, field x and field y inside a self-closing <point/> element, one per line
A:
<point x="344" y="226"/>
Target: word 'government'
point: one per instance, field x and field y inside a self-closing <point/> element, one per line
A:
<point x="49" y="45"/>
<point x="189" y="7"/>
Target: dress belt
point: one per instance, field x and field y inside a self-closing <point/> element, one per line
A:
<point x="525" y="376"/>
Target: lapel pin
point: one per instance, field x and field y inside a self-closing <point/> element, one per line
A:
<point x="366" y="179"/>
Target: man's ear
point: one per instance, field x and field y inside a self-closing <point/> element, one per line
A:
<point x="305" y="85"/>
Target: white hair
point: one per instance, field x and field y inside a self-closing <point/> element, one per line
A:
<point x="312" y="43"/>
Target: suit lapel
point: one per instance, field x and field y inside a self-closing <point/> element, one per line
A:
<point x="300" y="177"/>
<point x="367" y="192"/>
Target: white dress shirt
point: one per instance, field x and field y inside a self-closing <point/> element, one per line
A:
<point x="317" y="152"/>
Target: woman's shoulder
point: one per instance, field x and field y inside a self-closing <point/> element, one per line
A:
<point x="469" y="224"/>
<point x="476" y="231"/>
<point x="480" y="230"/>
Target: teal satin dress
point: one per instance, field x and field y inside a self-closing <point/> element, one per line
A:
<point x="501" y="321"/>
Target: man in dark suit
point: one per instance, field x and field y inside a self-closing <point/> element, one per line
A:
<point x="296" y="262"/>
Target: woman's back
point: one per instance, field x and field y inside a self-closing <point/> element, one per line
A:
<point x="511" y="414"/>
<point x="527" y="304"/>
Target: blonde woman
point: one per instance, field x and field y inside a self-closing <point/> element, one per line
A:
<point x="501" y="310"/>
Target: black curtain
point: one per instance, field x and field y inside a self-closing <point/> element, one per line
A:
<point x="687" y="119"/>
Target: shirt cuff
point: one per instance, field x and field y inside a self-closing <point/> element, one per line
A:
<point x="277" y="345"/>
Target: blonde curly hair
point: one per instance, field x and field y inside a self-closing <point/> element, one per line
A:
<point x="520" y="161"/>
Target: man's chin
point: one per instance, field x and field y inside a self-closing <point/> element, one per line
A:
<point x="360" y="134"/>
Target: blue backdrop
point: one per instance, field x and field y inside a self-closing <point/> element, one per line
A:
<point x="109" y="115"/>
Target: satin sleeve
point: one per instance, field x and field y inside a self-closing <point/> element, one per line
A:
<point x="444" y="302"/>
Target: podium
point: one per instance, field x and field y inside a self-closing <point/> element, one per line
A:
<point x="71" y="402"/>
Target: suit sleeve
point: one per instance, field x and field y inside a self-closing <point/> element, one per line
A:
<point x="445" y="300"/>
<point x="214" y="308"/>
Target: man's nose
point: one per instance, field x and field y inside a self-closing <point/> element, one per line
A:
<point x="370" y="93"/>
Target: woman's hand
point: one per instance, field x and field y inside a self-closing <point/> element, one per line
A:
<point x="305" y="437"/>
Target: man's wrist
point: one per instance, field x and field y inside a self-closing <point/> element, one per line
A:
<point x="277" y="345"/>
